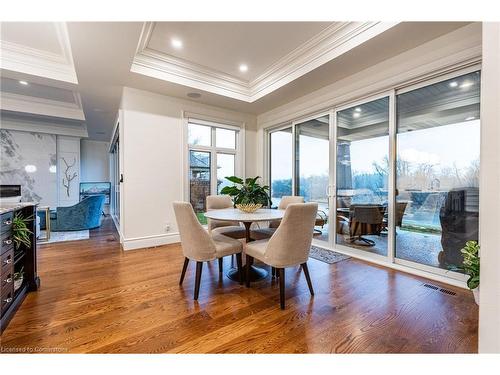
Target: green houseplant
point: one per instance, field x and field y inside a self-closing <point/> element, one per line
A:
<point x="20" y="231"/>
<point x="247" y="194"/>
<point x="470" y="266"/>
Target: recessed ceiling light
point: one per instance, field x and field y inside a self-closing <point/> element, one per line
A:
<point x="243" y="68"/>
<point x="357" y="109"/>
<point x="97" y="110"/>
<point x="454" y="84"/>
<point x="193" y="95"/>
<point x="23" y="83"/>
<point x="466" y="84"/>
<point x="356" y="114"/>
<point x="176" y="43"/>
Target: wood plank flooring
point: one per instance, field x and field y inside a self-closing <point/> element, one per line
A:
<point x="95" y="298"/>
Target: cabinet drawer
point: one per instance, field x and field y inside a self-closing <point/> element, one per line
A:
<point x="7" y="276"/>
<point x="7" y="243"/>
<point x="7" y="258"/>
<point x="6" y="222"/>
<point x="7" y="296"/>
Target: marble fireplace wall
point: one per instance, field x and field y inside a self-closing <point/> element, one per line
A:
<point x="30" y="159"/>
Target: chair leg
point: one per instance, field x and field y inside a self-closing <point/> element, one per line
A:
<point x="184" y="268"/>
<point x="273" y="271"/>
<point x="220" y="265"/>
<point x="281" y="272"/>
<point x="247" y="270"/>
<point x="308" y="278"/>
<point x="239" y="262"/>
<point x="199" y="268"/>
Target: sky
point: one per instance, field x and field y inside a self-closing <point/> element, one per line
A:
<point x="441" y="146"/>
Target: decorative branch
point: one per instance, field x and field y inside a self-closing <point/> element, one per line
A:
<point x="68" y="177"/>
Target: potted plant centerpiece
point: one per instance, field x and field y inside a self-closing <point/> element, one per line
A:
<point x="248" y="196"/>
<point x="470" y="266"/>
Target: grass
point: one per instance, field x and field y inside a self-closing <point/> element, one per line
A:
<point x="201" y="218"/>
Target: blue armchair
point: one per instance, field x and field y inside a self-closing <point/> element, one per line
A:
<point x="83" y="215"/>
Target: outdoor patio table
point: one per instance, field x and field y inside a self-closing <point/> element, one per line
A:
<point x="233" y="214"/>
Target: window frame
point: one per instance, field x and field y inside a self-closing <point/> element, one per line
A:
<point x="238" y="151"/>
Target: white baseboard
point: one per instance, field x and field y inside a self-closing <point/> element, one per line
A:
<point x="150" y="241"/>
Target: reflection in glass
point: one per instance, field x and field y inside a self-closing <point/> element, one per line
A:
<point x="199" y="135"/>
<point x="312" y="168"/>
<point x="225" y="168"/>
<point x="225" y="138"/>
<point x="437" y="171"/>
<point x="199" y="182"/>
<point x="362" y="176"/>
<point x="281" y="164"/>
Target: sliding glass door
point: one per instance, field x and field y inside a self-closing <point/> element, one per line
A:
<point x="312" y="168"/>
<point x="396" y="176"/>
<point x="362" y="170"/>
<point x="437" y="174"/>
<point x="281" y="164"/>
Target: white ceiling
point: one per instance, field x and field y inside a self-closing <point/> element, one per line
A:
<point x="223" y="46"/>
<point x="38" y="35"/>
<point x="103" y="55"/>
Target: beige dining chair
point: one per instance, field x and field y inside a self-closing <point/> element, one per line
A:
<point x="289" y="246"/>
<point x="232" y="229"/>
<point x="199" y="246"/>
<point x="263" y="233"/>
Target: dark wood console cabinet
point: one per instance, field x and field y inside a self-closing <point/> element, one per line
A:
<point x="15" y="261"/>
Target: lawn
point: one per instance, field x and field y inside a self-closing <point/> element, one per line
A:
<point x="201" y="218"/>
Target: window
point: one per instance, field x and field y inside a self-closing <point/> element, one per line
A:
<point x="406" y="174"/>
<point x="437" y="174"/>
<point x="212" y="156"/>
<point x="362" y="176"/>
<point x="281" y="146"/>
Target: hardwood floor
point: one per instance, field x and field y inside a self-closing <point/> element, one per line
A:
<point x="96" y="298"/>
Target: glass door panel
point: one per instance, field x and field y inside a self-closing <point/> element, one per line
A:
<point x="437" y="171"/>
<point x="362" y="176"/>
<point x="199" y="182"/>
<point x="312" y="155"/>
<point x="281" y="155"/>
<point x="225" y="168"/>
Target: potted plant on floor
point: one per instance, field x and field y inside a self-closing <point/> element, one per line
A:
<point x="248" y="196"/>
<point x="470" y="266"/>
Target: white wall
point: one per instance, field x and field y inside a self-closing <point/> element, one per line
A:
<point x="151" y="137"/>
<point x="94" y="161"/>
<point x="489" y="309"/>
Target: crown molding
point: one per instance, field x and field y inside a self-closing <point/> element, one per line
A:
<point x="42" y="107"/>
<point x="32" y="61"/>
<point x="330" y="43"/>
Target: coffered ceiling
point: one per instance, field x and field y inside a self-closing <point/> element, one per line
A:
<point x="38" y="78"/>
<point x="76" y="71"/>
<point x="211" y="56"/>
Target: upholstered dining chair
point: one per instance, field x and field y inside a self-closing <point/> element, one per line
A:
<point x="289" y="246"/>
<point x="231" y="229"/>
<point x="199" y="246"/>
<point x="263" y="233"/>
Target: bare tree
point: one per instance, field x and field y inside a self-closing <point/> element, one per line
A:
<point x="68" y="177"/>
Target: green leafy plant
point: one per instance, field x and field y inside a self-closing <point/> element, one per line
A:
<point x="247" y="191"/>
<point x="470" y="264"/>
<point x="20" y="231"/>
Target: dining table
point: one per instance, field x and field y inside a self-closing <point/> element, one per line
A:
<point x="247" y="219"/>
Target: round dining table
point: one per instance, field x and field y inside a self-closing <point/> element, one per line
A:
<point x="234" y="214"/>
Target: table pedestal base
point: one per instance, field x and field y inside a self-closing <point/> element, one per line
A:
<point x="256" y="274"/>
